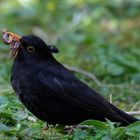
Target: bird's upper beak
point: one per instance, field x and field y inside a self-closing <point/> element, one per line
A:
<point x="13" y="40"/>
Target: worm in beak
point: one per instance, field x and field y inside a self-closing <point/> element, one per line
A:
<point x="13" y="40"/>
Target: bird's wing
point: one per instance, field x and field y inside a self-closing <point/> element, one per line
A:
<point x="74" y="92"/>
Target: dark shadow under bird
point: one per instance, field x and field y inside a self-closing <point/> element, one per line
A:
<point x="50" y="91"/>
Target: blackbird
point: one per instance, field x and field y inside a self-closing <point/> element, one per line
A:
<point x="52" y="92"/>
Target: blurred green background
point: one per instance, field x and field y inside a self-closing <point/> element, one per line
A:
<point x="98" y="36"/>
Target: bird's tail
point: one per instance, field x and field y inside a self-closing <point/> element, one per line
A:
<point x="122" y="117"/>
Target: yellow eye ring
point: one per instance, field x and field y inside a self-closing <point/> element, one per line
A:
<point x="30" y="49"/>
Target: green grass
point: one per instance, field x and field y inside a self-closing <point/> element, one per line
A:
<point x="15" y="124"/>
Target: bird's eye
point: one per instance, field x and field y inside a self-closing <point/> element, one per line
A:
<point x="30" y="49"/>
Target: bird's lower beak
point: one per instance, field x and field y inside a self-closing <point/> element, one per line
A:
<point x="13" y="40"/>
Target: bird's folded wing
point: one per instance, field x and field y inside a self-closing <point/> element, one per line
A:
<point x="76" y="93"/>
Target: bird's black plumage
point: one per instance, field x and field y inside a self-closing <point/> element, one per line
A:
<point x="52" y="93"/>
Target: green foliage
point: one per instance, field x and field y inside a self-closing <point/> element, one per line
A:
<point x="107" y="131"/>
<point x="99" y="36"/>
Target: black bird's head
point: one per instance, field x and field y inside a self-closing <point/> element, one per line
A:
<point x="29" y="46"/>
